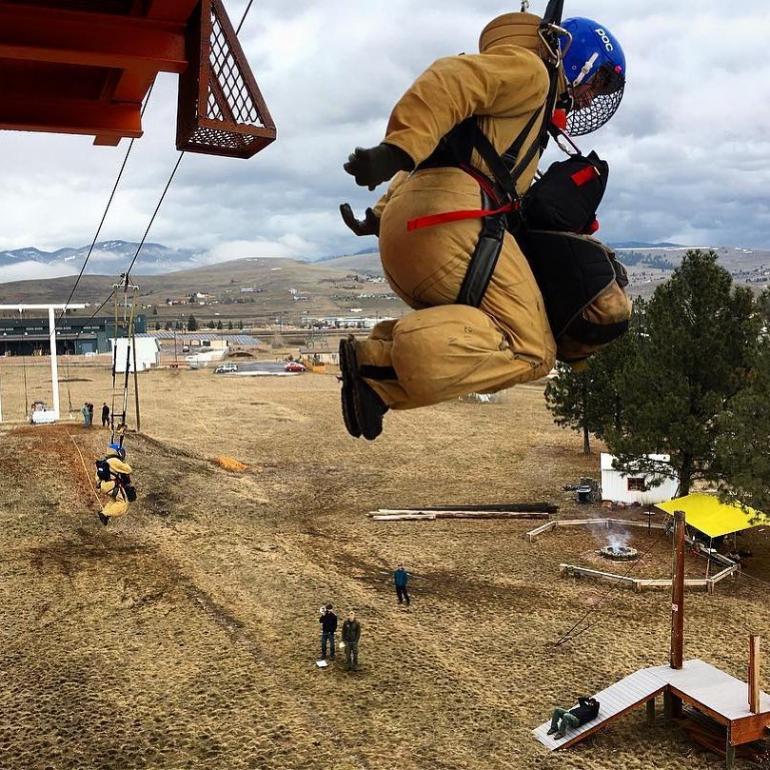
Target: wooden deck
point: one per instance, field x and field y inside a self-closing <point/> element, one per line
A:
<point x="717" y="694"/>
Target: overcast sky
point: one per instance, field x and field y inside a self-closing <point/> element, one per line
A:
<point x="688" y="149"/>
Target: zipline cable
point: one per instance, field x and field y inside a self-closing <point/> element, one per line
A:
<point x="569" y="635"/>
<point x="104" y="214"/>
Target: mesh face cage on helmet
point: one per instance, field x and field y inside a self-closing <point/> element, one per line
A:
<point x="610" y="86"/>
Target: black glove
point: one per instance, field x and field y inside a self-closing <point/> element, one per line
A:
<point x="377" y="164"/>
<point x="369" y="225"/>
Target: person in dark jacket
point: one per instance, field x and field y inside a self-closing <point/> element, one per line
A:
<point x="563" y="720"/>
<point x="351" y="633"/>
<point x="400" y="579"/>
<point x="328" y="621"/>
<point x="105" y="415"/>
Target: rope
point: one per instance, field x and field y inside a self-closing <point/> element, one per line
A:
<point x="88" y="475"/>
<point x="569" y="635"/>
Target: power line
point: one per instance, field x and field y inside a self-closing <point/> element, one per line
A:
<point x="104" y="214"/>
<point x="126" y="274"/>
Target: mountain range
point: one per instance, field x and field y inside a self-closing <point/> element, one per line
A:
<point x="110" y="257"/>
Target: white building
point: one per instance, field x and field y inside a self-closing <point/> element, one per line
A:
<point x="636" y="487"/>
<point x="147" y="354"/>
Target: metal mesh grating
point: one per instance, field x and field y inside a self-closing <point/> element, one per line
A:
<point x="227" y="72"/>
<point x="221" y="110"/>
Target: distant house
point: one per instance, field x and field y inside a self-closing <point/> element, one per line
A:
<point x="644" y="488"/>
<point x="320" y="356"/>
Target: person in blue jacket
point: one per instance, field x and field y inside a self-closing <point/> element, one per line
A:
<point x="400" y="579"/>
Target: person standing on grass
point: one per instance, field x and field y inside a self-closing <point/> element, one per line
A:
<point x="105" y="415"/>
<point x="400" y="579"/>
<point x="351" y="633"/>
<point x="90" y="414"/>
<point x="328" y="621"/>
<point x="84" y="411"/>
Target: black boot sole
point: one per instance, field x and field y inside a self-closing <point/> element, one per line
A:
<point x="347" y="401"/>
<point x="369" y="407"/>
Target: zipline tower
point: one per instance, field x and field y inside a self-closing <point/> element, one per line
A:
<point x="52" y="337"/>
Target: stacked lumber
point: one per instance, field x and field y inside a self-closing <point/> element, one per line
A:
<point x="497" y="511"/>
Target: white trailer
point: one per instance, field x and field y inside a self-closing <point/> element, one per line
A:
<point x="147" y="354"/>
<point x="644" y="488"/>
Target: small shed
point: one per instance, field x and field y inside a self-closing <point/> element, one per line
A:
<point x="147" y="354"/>
<point x="643" y="488"/>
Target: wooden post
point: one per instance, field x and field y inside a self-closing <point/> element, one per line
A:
<point x="729" y="753"/>
<point x="136" y="387"/>
<point x="677" y="593"/>
<point x="651" y="711"/>
<point x="754" y="669"/>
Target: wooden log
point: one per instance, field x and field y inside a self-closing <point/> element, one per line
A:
<point x="405" y="517"/>
<point x="428" y="515"/>
<point x="517" y="507"/>
<point x="448" y="512"/>
<point x="579" y="522"/>
<point x="654" y="584"/>
<point x="606" y="577"/>
<point x="533" y="533"/>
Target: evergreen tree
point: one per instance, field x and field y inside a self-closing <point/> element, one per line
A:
<point x="210" y="324"/>
<point x="230" y="325"/>
<point x="167" y="327"/>
<point x="694" y="355"/>
<point x="157" y="326"/>
<point x="192" y="324"/>
<point x="240" y="325"/>
<point x="763" y="304"/>
<point x="219" y="324"/>
<point x="743" y="453"/>
<point x="589" y="399"/>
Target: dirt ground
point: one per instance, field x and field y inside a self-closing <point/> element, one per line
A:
<point x="185" y="634"/>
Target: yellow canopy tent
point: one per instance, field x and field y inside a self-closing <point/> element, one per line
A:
<point x="711" y="516"/>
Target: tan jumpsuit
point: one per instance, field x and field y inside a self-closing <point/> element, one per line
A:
<point x="442" y="350"/>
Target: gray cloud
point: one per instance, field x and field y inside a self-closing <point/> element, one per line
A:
<point x="688" y="158"/>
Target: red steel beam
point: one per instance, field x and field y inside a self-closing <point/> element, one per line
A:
<point x="70" y="116"/>
<point x="93" y="39"/>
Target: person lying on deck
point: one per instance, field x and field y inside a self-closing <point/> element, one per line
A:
<point x="562" y="720"/>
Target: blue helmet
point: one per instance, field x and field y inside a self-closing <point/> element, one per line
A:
<point x="593" y="57"/>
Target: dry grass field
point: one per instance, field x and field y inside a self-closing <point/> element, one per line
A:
<point x="185" y="635"/>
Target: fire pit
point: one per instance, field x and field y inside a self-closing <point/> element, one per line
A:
<point x="619" y="552"/>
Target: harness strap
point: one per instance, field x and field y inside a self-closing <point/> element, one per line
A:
<point x="455" y="216"/>
<point x="484" y="259"/>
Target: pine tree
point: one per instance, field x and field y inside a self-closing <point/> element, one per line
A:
<point x="210" y="324"/>
<point x="590" y="400"/>
<point x="192" y="324"/>
<point x="230" y="325"/>
<point x="219" y="324"/>
<point x="742" y="448"/>
<point x="694" y="355"/>
<point x="240" y="325"/>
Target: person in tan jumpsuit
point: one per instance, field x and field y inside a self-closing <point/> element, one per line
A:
<point x="443" y="350"/>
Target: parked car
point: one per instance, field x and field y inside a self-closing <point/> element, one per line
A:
<point x="226" y="369"/>
<point x="294" y="366"/>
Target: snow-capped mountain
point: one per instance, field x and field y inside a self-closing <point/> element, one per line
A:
<point x="107" y="258"/>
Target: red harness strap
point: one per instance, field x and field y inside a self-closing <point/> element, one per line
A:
<point x="455" y="216"/>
